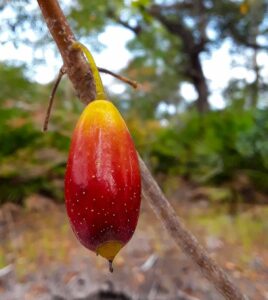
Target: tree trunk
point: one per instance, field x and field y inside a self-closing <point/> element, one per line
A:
<point x="255" y="85"/>
<point x="191" y="50"/>
<point x="196" y="74"/>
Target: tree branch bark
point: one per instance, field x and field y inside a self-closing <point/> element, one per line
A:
<point x="78" y="72"/>
<point x="78" y="69"/>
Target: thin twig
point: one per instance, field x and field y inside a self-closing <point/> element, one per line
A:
<point x="132" y="83"/>
<point x="52" y="96"/>
<point x="151" y="190"/>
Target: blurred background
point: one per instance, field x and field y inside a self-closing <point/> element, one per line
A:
<point x="199" y="120"/>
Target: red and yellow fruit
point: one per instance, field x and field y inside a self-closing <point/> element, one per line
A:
<point x="102" y="182"/>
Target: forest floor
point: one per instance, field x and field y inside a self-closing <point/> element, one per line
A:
<point x="41" y="259"/>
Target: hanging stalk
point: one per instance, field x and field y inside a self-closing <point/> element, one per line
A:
<point x="100" y="93"/>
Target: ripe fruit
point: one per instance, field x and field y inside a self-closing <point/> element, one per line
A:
<point x="102" y="181"/>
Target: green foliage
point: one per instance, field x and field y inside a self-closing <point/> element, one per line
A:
<point x="16" y="138"/>
<point x="10" y="76"/>
<point x="32" y="161"/>
<point x="212" y="148"/>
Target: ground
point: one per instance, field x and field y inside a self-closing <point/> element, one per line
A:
<point x="41" y="259"/>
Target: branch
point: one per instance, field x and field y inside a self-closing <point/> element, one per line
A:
<point x="244" y="41"/>
<point x="174" y="27"/>
<point x="133" y="83"/>
<point x="185" y="239"/>
<point x="177" y="28"/>
<point x="135" y="29"/>
<point x="151" y="190"/>
<point x="78" y="72"/>
<point x="51" y="98"/>
<point x="201" y="13"/>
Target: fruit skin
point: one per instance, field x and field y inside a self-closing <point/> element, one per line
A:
<point x="102" y="180"/>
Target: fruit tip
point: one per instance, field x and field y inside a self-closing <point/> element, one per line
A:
<point x="111" y="269"/>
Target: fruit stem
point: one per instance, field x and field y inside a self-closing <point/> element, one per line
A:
<point x="111" y="269"/>
<point x="100" y="93"/>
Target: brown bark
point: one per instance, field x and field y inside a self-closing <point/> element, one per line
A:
<point x="75" y="64"/>
<point x="151" y="190"/>
<point x="197" y="76"/>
